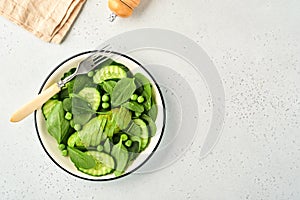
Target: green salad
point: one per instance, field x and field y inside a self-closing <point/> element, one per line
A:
<point x="104" y="119"/>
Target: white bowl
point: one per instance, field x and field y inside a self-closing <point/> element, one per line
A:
<point x="50" y="145"/>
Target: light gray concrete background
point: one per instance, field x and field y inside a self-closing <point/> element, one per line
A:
<point x="254" y="45"/>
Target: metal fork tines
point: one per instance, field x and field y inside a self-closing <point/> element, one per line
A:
<point x="89" y="63"/>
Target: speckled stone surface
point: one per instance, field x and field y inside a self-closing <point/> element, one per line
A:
<point x="254" y="45"/>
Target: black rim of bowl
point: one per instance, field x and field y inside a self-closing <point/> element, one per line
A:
<point x="140" y="165"/>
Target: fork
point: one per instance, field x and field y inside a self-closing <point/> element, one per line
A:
<point x="83" y="67"/>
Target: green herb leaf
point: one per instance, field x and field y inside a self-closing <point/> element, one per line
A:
<point x="108" y="86"/>
<point x="142" y="79"/>
<point x="134" y="130"/>
<point x="122" y="91"/>
<point x="134" y="106"/>
<point x="120" y="153"/>
<point x="147" y="94"/>
<point x="81" y="110"/>
<point x="106" y="146"/>
<point x="81" y="159"/>
<point x="153" y="112"/>
<point x="150" y="124"/>
<point x="122" y="117"/>
<point x="56" y="123"/>
<point x="80" y="82"/>
<point x="89" y="133"/>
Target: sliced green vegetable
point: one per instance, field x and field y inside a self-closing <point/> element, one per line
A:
<point x="144" y="135"/>
<point x="74" y="140"/>
<point x="105" y="164"/>
<point x="109" y="72"/>
<point x="92" y="96"/>
<point x="122" y="91"/>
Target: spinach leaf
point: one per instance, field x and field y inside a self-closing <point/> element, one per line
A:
<point x="141" y="78"/>
<point x="81" y="110"/>
<point x="153" y="112"/>
<point x="150" y="124"/>
<point x="106" y="146"/>
<point x="122" y="91"/>
<point x="82" y="81"/>
<point x="108" y="86"/>
<point x="81" y="159"/>
<point x="56" y="123"/>
<point x="134" y="106"/>
<point x="134" y="130"/>
<point x="120" y="153"/>
<point x="147" y="94"/>
<point x="88" y="134"/>
<point x="122" y="117"/>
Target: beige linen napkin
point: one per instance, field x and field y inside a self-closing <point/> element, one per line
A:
<point x="49" y="20"/>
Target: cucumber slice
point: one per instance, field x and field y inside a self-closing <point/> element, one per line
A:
<point x="105" y="164"/>
<point x="48" y="106"/>
<point x="150" y="123"/>
<point x="144" y="135"/>
<point x="92" y="96"/>
<point x="109" y="72"/>
<point x="74" y="140"/>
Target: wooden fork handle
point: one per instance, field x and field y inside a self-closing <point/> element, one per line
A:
<point x="35" y="103"/>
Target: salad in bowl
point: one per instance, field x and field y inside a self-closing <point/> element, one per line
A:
<point x="104" y="124"/>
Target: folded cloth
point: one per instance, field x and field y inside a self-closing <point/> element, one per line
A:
<point x="49" y="20"/>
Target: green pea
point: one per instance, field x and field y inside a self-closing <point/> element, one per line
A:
<point x="137" y="114"/>
<point x="99" y="148"/>
<point x="68" y="116"/>
<point x="61" y="147"/>
<point x="72" y="123"/>
<point x="124" y="137"/>
<point x="105" y="98"/>
<point x="105" y="105"/>
<point x="140" y="99"/>
<point x="64" y="152"/>
<point x="55" y="96"/>
<point x="134" y="97"/>
<point x="77" y="127"/>
<point x="90" y="74"/>
<point x="128" y="143"/>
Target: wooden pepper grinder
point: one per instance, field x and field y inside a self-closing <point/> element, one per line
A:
<point x="122" y="8"/>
